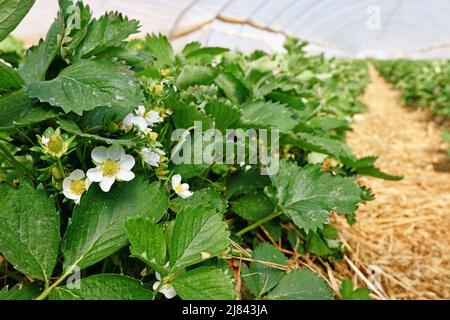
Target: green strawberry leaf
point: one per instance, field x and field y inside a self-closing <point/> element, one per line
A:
<point x="110" y="30"/>
<point x="192" y="75"/>
<point x="301" y="284"/>
<point x="199" y="233"/>
<point x="200" y="198"/>
<point x="253" y="206"/>
<point x="88" y="84"/>
<point x="17" y="110"/>
<point x="224" y="114"/>
<point x="72" y="127"/>
<point x="307" y="194"/>
<point x="96" y="230"/>
<point x="103" y="287"/>
<point x="38" y="58"/>
<point x="160" y="49"/>
<point x="10" y="80"/>
<point x="261" y="278"/>
<point x="11" y="13"/>
<point x="205" y="283"/>
<point x="148" y="242"/>
<point x="261" y="114"/>
<point x="246" y="181"/>
<point x="20" y="292"/>
<point x="29" y="230"/>
<point x="231" y="87"/>
<point x="347" y="292"/>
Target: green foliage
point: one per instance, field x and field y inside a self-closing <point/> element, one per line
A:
<point x="148" y="241"/>
<point x="85" y="87"/>
<point x="205" y="283"/>
<point x="11" y="13"/>
<point x="347" y="292"/>
<point x="96" y="230"/>
<point x="198" y="234"/>
<point x="29" y="230"/>
<point x="261" y="278"/>
<point x="307" y="194"/>
<point x="89" y="84"/>
<point x="301" y="284"/>
<point x="422" y="83"/>
<point x="104" y="287"/>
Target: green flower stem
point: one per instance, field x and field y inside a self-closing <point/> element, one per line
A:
<point x="258" y="223"/>
<point x="60" y="166"/>
<point x="47" y="290"/>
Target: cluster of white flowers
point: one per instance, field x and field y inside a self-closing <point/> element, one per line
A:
<point x="142" y="120"/>
<point x="113" y="164"/>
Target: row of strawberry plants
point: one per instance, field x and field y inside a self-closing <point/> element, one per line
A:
<point x="93" y="205"/>
<point x="423" y="83"/>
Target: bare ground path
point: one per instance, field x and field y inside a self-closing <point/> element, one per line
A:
<point x="401" y="242"/>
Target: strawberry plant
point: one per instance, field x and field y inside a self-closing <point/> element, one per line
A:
<point x="94" y="203"/>
<point x="423" y="83"/>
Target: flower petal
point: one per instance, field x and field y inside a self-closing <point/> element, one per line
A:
<point x="127" y="162"/>
<point x="185" y="194"/>
<point x="95" y="174"/>
<point x="115" y="152"/>
<point x="176" y="180"/>
<point x="66" y="183"/>
<point x="158" y="276"/>
<point x="99" y="154"/>
<point x="152" y="158"/>
<point x="156" y="285"/>
<point x="106" y="183"/>
<point x="68" y="194"/>
<point x="128" y="120"/>
<point x="77" y="175"/>
<point x="125" y="175"/>
<point x="140" y="111"/>
<point x="153" y="117"/>
<point x="141" y="124"/>
<point x="88" y="183"/>
<point x="168" y="291"/>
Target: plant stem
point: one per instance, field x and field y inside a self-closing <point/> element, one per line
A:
<point x="258" y="223"/>
<point x="60" y="166"/>
<point x="47" y="290"/>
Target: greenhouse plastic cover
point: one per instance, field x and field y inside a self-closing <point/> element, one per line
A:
<point x="351" y="28"/>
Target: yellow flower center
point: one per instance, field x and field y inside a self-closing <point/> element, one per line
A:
<point x="110" y="168"/>
<point x="158" y="89"/>
<point x="153" y="135"/>
<point x="78" y="187"/>
<point x="55" y="145"/>
<point x="179" y="188"/>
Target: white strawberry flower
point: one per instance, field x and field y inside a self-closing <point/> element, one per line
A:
<point x="152" y="158"/>
<point x="166" y="289"/>
<point x="112" y="164"/>
<point x="181" y="189"/>
<point x="75" y="185"/>
<point x="131" y="121"/>
<point x="151" y="116"/>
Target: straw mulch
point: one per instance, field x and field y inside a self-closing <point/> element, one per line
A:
<point x="400" y="246"/>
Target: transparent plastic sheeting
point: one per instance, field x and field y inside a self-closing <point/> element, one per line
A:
<point x="350" y="28"/>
